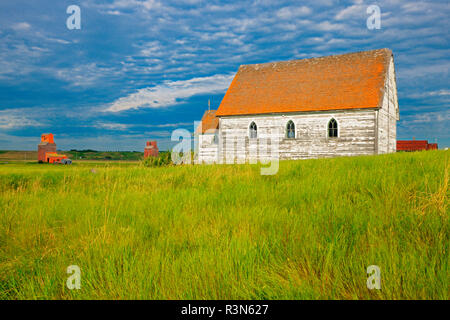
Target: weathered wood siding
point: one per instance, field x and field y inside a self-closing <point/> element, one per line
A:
<point x="388" y="115"/>
<point x="356" y="135"/>
<point x="207" y="148"/>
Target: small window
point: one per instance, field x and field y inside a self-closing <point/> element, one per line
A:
<point x="253" y="131"/>
<point x="332" y="129"/>
<point x="290" y="130"/>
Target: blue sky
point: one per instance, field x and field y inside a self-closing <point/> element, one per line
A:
<point x="138" y="69"/>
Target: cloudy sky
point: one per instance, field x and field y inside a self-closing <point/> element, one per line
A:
<point x="138" y="69"/>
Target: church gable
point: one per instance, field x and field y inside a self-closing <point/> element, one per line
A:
<point x="209" y="122"/>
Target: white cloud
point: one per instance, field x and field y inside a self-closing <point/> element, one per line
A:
<point x="428" y="117"/>
<point x="171" y="93"/>
<point x="116" y="6"/>
<point x="437" y="93"/>
<point x="168" y="125"/>
<point x="327" y="26"/>
<point x="15" y="58"/>
<point x="352" y="11"/>
<point x="113" y="12"/>
<point x="21" y="26"/>
<point x="419" y="7"/>
<point x="61" y="41"/>
<point x="83" y="75"/>
<point x="151" y="49"/>
<point x="13" y="119"/>
<point x="112" y="126"/>
<point x="292" y="12"/>
<point x="129" y="126"/>
<point x="423" y="70"/>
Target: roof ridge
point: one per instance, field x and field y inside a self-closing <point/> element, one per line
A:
<point x="314" y="58"/>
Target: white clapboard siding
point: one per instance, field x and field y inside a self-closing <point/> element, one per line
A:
<point x="356" y="135"/>
<point x="207" y="148"/>
<point x="388" y="115"/>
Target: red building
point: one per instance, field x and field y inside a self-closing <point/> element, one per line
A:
<point x="47" y="150"/>
<point x="47" y="145"/>
<point x="54" y="157"/>
<point x="151" y="149"/>
<point x="415" y="145"/>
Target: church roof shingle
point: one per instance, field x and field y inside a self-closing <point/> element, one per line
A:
<point x="338" y="82"/>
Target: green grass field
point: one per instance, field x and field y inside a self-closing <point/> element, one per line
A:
<point x="225" y="231"/>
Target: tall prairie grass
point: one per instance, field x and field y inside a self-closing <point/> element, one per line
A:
<point x="225" y="231"/>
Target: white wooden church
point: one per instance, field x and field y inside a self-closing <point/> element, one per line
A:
<point x="340" y="105"/>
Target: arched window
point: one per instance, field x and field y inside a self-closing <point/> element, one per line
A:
<point x="290" y="130"/>
<point x="332" y="128"/>
<point x="253" y="130"/>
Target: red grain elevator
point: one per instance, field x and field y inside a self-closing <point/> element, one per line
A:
<point x="47" y="145"/>
<point x="151" y="149"/>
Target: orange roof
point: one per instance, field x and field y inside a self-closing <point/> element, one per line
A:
<point x="347" y="81"/>
<point x="53" y="155"/>
<point x="209" y="121"/>
<point x="47" y="137"/>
